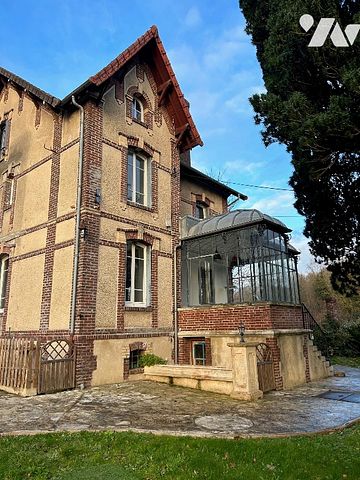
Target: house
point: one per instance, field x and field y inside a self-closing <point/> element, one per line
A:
<point x="93" y="190"/>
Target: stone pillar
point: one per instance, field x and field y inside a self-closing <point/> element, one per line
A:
<point x="244" y="368"/>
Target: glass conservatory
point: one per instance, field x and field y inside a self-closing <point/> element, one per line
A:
<point x="240" y="257"/>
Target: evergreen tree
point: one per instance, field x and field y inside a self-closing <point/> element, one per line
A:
<point x="312" y="106"/>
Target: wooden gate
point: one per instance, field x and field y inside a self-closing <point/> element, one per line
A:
<point x="265" y="368"/>
<point x="19" y="365"/>
<point x="57" y="366"/>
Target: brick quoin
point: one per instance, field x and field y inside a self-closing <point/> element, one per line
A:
<point x="89" y="247"/>
<point x="275" y="351"/>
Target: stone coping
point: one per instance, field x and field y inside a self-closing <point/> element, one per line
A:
<point x="195" y="372"/>
<point x="248" y="332"/>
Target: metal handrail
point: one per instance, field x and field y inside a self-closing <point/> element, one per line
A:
<point x="317" y="332"/>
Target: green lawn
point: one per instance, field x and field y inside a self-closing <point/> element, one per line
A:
<point x="133" y="456"/>
<point x="347" y="361"/>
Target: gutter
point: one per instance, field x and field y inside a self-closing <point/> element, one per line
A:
<point x="77" y="227"/>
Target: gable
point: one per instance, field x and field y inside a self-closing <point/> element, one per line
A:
<point x="149" y="50"/>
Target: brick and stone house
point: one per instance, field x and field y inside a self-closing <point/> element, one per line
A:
<point x="93" y="188"/>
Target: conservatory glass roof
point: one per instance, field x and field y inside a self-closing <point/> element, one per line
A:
<point x="234" y="219"/>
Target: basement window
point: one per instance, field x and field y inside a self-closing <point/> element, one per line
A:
<point x="134" y="362"/>
<point x="199" y="353"/>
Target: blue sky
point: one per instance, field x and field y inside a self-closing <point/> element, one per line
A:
<point x="58" y="44"/>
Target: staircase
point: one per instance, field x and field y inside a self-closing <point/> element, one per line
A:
<point x="319" y="358"/>
<point x="319" y="366"/>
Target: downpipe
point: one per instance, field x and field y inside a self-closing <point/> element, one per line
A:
<point x="176" y="323"/>
<point x="77" y="226"/>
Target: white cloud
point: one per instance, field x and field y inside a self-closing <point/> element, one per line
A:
<point x="193" y="18"/>
<point x="276" y="203"/>
<point x="243" y="166"/>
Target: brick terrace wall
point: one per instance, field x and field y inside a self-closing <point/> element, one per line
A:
<point x="229" y="317"/>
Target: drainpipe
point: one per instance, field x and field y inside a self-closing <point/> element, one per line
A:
<point x="176" y="337"/>
<point x="77" y="227"/>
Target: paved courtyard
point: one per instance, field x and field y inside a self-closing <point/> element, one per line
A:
<point x="159" y="408"/>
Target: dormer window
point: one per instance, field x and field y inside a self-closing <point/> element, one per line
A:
<point x="137" y="110"/>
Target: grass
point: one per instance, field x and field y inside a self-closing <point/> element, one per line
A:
<point x="347" y="361"/>
<point x="131" y="456"/>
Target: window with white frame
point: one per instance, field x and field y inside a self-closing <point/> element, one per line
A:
<point x="137" y="109"/>
<point x="137" y="274"/>
<point x="4" y="268"/>
<point x="139" y="179"/>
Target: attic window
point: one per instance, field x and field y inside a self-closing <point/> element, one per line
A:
<point x="137" y="110"/>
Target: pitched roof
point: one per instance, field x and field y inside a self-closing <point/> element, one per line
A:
<point x="187" y="171"/>
<point x="37" y="92"/>
<point x="163" y="72"/>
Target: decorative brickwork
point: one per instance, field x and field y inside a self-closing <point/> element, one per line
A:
<point x="121" y="288"/>
<point x="154" y="287"/>
<point x="51" y="231"/>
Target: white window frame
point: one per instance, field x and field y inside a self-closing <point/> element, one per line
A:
<point x="134" y="110"/>
<point x="3" y="278"/>
<point x="147" y="179"/>
<point x="146" y="276"/>
<point x="12" y="191"/>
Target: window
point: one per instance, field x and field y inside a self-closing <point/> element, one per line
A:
<point x="199" y="353"/>
<point x="201" y="210"/>
<point x="138" y="182"/>
<point x="206" y="290"/>
<point x="4" y="132"/>
<point x="137" y="109"/>
<point x="134" y="361"/>
<point x="4" y="268"/>
<point x="137" y="274"/>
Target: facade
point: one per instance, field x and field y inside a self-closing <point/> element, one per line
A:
<point x="92" y="191"/>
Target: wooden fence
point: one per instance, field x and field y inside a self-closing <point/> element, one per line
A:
<point x="19" y="365"/>
<point x="27" y="368"/>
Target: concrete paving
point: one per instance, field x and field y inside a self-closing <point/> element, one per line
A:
<point x="159" y="408"/>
